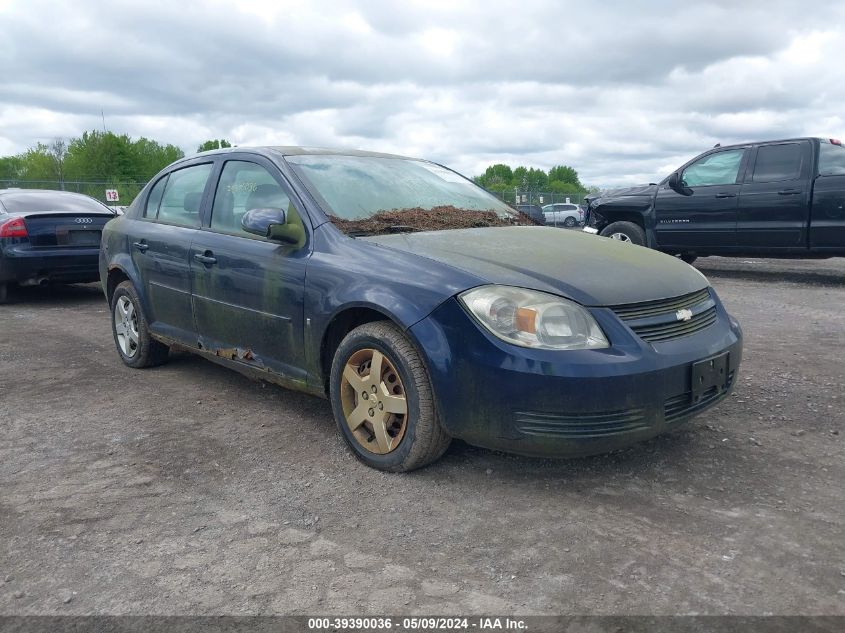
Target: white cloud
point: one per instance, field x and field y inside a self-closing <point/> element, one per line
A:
<point x="623" y="93"/>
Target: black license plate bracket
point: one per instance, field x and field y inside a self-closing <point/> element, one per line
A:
<point x="710" y="376"/>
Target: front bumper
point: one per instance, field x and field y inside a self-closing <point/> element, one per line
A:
<point x="26" y="265"/>
<point x="571" y="403"/>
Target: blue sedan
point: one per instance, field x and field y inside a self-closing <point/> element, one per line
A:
<point x="49" y="236"/>
<point x="421" y="306"/>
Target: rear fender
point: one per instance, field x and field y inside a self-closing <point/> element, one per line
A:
<point x="123" y="263"/>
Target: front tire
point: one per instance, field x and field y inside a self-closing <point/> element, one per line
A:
<point x="131" y="332"/>
<point x="625" y="232"/>
<point x="382" y="400"/>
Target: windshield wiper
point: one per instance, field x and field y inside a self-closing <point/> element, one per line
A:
<point x="382" y="230"/>
<point x="400" y="228"/>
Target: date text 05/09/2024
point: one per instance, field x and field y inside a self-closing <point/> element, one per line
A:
<point x="416" y="624"/>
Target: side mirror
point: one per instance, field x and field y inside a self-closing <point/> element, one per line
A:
<point x="676" y="184"/>
<point x="273" y="223"/>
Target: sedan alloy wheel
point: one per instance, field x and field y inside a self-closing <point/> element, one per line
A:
<point x="374" y="403"/>
<point x="126" y="326"/>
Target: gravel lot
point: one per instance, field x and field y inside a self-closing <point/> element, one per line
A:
<point x="189" y="489"/>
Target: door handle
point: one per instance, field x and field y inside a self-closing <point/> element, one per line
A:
<point x="726" y="195"/>
<point x="789" y="192"/>
<point x="206" y="258"/>
<point x="141" y="246"/>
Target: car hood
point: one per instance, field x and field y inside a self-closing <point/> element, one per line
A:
<point x="637" y="190"/>
<point x="591" y="270"/>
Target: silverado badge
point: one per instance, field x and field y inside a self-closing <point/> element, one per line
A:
<point x="684" y="314"/>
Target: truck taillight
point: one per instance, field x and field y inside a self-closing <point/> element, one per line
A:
<point x="13" y="228"/>
<point x="835" y="141"/>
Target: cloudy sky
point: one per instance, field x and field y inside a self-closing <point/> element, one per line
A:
<point x="622" y="91"/>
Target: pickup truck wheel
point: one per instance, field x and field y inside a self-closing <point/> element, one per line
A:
<point x="569" y="222"/>
<point x="625" y="232"/>
<point x="689" y="258"/>
<point x="131" y="334"/>
<point x="382" y="400"/>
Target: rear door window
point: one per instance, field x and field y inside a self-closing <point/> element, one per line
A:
<point x="720" y="168"/>
<point x="779" y="162"/>
<point x="831" y="160"/>
<point x="182" y="197"/>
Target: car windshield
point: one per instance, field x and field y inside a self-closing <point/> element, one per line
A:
<point x="367" y="195"/>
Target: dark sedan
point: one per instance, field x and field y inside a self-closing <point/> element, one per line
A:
<point x="423" y="307"/>
<point x="49" y="236"/>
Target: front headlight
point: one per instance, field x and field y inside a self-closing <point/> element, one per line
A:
<point x="533" y="319"/>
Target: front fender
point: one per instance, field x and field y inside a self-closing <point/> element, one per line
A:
<point x="343" y="273"/>
<point x="638" y="209"/>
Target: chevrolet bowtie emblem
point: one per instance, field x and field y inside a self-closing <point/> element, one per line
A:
<point x="684" y="314"/>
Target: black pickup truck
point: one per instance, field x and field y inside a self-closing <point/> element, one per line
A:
<point x="772" y="199"/>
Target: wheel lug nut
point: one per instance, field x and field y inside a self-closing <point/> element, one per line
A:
<point x="365" y="395"/>
<point x="373" y="388"/>
<point x="372" y="412"/>
<point x="380" y="406"/>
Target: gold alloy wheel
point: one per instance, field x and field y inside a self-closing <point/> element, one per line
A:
<point x="373" y="400"/>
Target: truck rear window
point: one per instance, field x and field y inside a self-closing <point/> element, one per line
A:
<point x="831" y="160"/>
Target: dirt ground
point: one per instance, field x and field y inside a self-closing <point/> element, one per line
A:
<point x="188" y="489"/>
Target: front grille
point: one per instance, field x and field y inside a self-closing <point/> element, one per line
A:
<point x="581" y="426"/>
<point x="655" y="321"/>
<point x="683" y="405"/>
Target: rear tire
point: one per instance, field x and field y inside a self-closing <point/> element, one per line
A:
<point x="569" y="222"/>
<point x="409" y="437"/>
<point x="131" y="332"/>
<point x="625" y="232"/>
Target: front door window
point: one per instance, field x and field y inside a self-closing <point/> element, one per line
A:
<point x="720" y="168"/>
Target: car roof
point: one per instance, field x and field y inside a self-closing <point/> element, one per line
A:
<point x="16" y="191"/>
<point x="780" y="140"/>
<point x="70" y="200"/>
<point x="296" y="150"/>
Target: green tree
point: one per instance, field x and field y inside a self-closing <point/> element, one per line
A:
<point x="537" y="179"/>
<point x="37" y="163"/>
<point x="104" y="159"/>
<point x="11" y="167"/>
<point x="58" y="151"/>
<point x="214" y="144"/>
<point x="568" y="178"/>
<point x="100" y="156"/>
<point x="498" y="174"/>
<point x="150" y="157"/>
